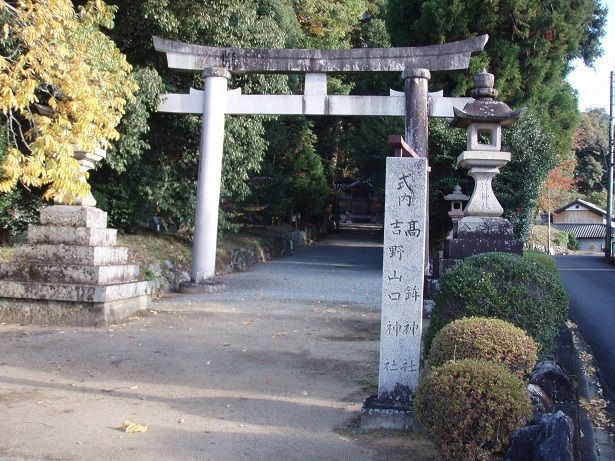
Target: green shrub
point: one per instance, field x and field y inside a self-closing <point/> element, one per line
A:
<point x="504" y="286"/>
<point x="480" y="338"/>
<point x="562" y="239"/>
<point x="471" y="408"/>
<point x="541" y="258"/>
<point x="573" y="243"/>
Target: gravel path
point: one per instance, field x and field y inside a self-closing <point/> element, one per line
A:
<point x="272" y="369"/>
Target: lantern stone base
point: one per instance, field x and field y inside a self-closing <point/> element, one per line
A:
<point x="71" y="273"/>
<point x="474" y="235"/>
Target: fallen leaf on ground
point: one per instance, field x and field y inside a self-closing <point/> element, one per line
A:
<point x="226" y="344"/>
<point x="130" y="427"/>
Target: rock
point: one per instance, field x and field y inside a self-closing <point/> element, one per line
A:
<point x="428" y="307"/>
<point x="550" y="440"/>
<point x="154" y="270"/>
<point x="180" y="277"/>
<point x="554" y="381"/>
<point x="541" y="403"/>
<point x="162" y="283"/>
<point x="168" y="264"/>
<point x="523" y="444"/>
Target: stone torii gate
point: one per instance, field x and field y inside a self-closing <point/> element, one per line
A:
<point x="216" y="101"/>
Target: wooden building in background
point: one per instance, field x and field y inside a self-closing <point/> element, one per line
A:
<point x="584" y="220"/>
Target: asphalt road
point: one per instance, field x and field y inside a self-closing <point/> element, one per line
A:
<point x="590" y="282"/>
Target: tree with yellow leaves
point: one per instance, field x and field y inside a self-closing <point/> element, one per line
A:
<point x="63" y="83"/>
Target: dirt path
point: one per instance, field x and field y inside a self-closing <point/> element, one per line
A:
<point x="250" y="374"/>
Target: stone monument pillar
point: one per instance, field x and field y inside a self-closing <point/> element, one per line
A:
<point x="402" y="295"/>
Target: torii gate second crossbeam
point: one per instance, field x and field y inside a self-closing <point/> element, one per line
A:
<point x="216" y="101"/>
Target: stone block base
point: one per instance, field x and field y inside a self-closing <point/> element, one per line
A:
<point x="50" y="312"/>
<point x="71" y="273"/>
<point x="376" y="414"/>
<point x="441" y="265"/>
<point x="462" y="248"/>
<point x="474" y="235"/>
<point x="208" y="286"/>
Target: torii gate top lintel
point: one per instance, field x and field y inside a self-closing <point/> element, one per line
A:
<point x="187" y="57"/>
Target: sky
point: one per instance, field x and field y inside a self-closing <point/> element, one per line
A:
<point x="592" y="85"/>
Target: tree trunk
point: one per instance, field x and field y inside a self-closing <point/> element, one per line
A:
<point x="5" y="236"/>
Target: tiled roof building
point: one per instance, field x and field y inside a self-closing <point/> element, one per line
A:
<point x="584" y="220"/>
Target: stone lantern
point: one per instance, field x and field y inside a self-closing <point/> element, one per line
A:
<point x="480" y="228"/>
<point x="484" y="118"/>
<point x="86" y="161"/>
<point x="456" y="199"/>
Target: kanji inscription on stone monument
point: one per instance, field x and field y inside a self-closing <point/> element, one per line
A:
<point x="402" y="276"/>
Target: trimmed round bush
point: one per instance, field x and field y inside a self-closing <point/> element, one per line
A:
<point x="504" y="286"/>
<point x="480" y="338"/>
<point x="471" y="408"/>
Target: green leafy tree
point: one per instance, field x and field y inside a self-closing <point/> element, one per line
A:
<point x="588" y="173"/>
<point x="154" y="172"/>
<point x="328" y="23"/>
<point x="591" y="148"/>
<point x="293" y="178"/>
<point x="519" y="183"/>
<point x="163" y="182"/>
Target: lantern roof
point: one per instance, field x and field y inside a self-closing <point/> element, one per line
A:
<point x="457" y="195"/>
<point x="485" y="108"/>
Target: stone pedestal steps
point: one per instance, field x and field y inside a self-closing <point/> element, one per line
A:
<point x="71" y="272"/>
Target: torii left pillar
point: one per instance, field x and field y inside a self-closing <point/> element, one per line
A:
<point x="210" y="175"/>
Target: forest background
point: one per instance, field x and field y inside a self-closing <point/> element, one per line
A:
<point x="276" y="167"/>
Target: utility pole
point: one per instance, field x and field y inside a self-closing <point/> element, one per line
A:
<point x="549" y="220"/>
<point x="609" y="198"/>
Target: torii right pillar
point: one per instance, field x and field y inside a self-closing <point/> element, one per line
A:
<point x="416" y="136"/>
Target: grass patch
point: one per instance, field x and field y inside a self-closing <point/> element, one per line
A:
<point x="153" y="248"/>
<point x="156" y="249"/>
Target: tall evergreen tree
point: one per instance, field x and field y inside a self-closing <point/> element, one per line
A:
<point x="531" y="44"/>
